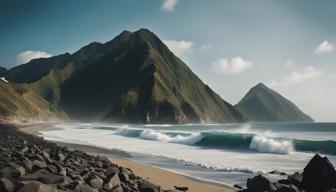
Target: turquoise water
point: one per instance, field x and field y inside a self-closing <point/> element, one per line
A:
<point x="222" y="153"/>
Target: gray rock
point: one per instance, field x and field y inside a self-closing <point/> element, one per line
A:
<point x="28" y="164"/>
<point x="35" y="186"/>
<point x="45" y="177"/>
<point x="84" y="188"/>
<point x="45" y="155"/>
<point x="60" y="157"/>
<point x="52" y="168"/>
<point x="78" y="178"/>
<point x="6" y="185"/>
<point x="286" y="188"/>
<point x="296" y="179"/>
<point x="96" y="182"/>
<point x="18" y="170"/>
<point x="319" y="175"/>
<point x="112" y="182"/>
<point x="39" y="164"/>
<point x="259" y="183"/>
<point x="7" y="172"/>
<point x="149" y="187"/>
<point x="24" y="150"/>
<point x="123" y="177"/>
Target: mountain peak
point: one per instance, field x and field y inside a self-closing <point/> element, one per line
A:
<point x="261" y="85"/>
<point x="262" y="104"/>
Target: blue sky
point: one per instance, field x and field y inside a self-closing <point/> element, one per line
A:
<point x="231" y="44"/>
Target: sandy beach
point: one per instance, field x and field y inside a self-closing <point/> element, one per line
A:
<point x="166" y="179"/>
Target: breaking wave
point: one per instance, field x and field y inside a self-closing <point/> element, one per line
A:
<point x="232" y="141"/>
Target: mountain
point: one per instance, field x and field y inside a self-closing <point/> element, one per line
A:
<point x="132" y="78"/>
<point x="262" y="104"/>
<point x="18" y="102"/>
<point x="3" y="71"/>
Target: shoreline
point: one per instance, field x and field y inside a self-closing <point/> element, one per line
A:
<point x="167" y="179"/>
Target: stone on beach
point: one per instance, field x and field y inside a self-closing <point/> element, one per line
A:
<point x="30" y="164"/>
<point x="318" y="176"/>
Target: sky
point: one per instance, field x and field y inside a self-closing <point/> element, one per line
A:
<point x="230" y="44"/>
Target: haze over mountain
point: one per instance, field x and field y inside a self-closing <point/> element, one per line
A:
<point x="262" y="104"/>
<point x="132" y="78"/>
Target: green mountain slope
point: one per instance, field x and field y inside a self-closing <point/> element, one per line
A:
<point x="262" y="104"/>
<point x="18" y="102"/>
<point x="132" y="78"/>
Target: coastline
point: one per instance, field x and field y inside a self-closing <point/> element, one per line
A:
<point x="162" y="177"/>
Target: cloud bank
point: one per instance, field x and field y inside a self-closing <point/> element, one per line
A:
<point x="297" y="76"/>
<point x="232" y="66"/>
<point x="26" y="56"/>
<point x="169" y="5"/>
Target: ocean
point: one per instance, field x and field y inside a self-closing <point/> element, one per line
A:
<point x="225" y="154"/>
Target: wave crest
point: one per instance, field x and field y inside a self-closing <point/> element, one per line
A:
<point x="269" y="145"/>
<point x="150" y="134"/>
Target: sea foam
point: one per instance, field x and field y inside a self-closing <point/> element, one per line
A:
<point x="150" y="134"/>
<point x="268" y="145"/>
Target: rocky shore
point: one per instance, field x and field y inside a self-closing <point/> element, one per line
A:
<point x="30" y="164"/>
<point x="318" y="176"/>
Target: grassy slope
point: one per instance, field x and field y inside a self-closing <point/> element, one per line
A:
<point x="17" y="101"/>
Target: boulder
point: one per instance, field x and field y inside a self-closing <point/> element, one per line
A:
<point x="319" y="175"/>
<point x="296" y="179"/>
<point x="18" y="170"/>
<point x="35" y="186"/>
<point x="6" y="185"/>
<point x="45" y="177"/>
<point x="78" y="179"/>
<point x="84" y="188"/>
<point x="96" y="182"/>
<point x="259" y="183"/>
<point x="7" y="172"/>
<point x="123" y="176"/>
<point x="28" y="164"/>
<point x="112" y="182"/>
<point x="148" y="187"/>
<point x="39" y="164"/>
<point x="286" y="188"/>
<point x="60" y="157"/>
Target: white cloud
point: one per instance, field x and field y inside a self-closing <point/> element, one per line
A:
<point x="297" y="76"/>
<point x="26" y="56"/>
<point x="179" y="47"/>
<point x="169" y="5"/>
<point x="325" y="47"/>
<point x="233" y="66"/>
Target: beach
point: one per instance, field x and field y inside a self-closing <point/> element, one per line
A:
<point x="162" y="177"/>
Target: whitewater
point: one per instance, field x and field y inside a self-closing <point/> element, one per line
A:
<point x="221" y="153"/>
